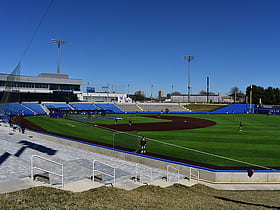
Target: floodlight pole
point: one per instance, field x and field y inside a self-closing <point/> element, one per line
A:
<point x="189" y="58"/>
<point x="251" y="99"/>
<point x="152" y="92"/>
<point x="58" y="42"/>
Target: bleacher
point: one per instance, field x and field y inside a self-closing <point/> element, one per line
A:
<point x="36" y="107"/>
<point x="233" y="109"/>
<point x="129" y="107"/>
<point x="162" y="107"/>
<point x="32" y="108"/>
<point x="109" y="107"/>
<point x="61" y="106"/>
<point x="84" y="106"/>
<point x="15" y="109"/>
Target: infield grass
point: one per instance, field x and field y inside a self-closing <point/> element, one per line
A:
<point x="258" y="143"/>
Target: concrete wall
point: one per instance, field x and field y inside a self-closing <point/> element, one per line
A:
<point x="209" y="175"/>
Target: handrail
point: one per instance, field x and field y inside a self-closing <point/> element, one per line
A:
<point x="167" y="170"/>
<point x="194" y="169"/>
<point x="52" y="172"/>
<point x="93" y="171"/>
<point x="139" y="172"/>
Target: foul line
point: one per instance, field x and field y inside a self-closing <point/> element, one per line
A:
<point x="193" y="150"/>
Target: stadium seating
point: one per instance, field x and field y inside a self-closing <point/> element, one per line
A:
<point x="32" y="108"/>
<point x="162" y="107"/>
<point x="16" y="109"/>
<point x="35" y="107"/>
<point x="62" y="106"/>
<point x="233" y="108"/>
<point x="84" y="106"/>
<point x="109" y="107"/>
<point x="129" y="107"/>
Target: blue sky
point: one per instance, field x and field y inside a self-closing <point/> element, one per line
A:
<point x="141" y="44"/>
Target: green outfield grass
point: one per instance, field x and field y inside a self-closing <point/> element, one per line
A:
<point x="258" y="142"/>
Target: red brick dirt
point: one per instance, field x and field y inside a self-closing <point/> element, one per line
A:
<point x="178" y="123"/>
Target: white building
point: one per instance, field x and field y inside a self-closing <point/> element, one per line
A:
<point x="197" y="98"/>
<point x="104" y="97"/>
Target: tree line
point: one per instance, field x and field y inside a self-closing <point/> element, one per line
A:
<point x="269" y="96"/>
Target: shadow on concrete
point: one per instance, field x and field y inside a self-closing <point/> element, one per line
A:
<point x="37" y="147"/>
<point x="4" y="157"/>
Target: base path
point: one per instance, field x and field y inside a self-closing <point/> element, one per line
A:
<point x="177" y="123"/>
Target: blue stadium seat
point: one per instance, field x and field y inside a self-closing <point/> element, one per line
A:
<point x="35" y="107"/>
<point x="233" y="108"/>
<point x="16" y="109"/>
<point x="62" y="106"/>
<point x="110" y="107"/>
<point x="84" y="106"/>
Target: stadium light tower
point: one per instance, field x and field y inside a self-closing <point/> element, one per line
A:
<point x="189" y="58"/>
<point x="58" y="42"/>
<point x="152" y="92"/>
<point x="251" y="99"/>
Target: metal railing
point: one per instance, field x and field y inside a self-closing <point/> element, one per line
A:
<point x="45" y="170"/>
<point x="142" y="173"/>
<point x="168" y="172"/>
<point x="94" y="170"/>
<point x="194" y="173"/>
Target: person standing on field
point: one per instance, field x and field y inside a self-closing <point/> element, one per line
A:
<point x="143" y="144"/>
<point x="240" y="126"/>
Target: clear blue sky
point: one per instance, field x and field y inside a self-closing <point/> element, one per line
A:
<point x="143" y="42"/>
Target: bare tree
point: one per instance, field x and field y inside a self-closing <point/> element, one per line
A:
<point x="234" y="90"/>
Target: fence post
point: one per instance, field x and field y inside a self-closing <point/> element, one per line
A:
<point x="92" y="170"/>
<point x="62" y="173"/>
<point x="32" y="176"/>
<point x="114" y="176"/>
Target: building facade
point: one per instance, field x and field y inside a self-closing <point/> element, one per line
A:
<point x="198" y="98"/>
<point x="103" y="97"/>
<point x="44" y="87"/>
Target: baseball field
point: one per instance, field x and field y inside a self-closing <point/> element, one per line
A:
<point x="205" y="139"/>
